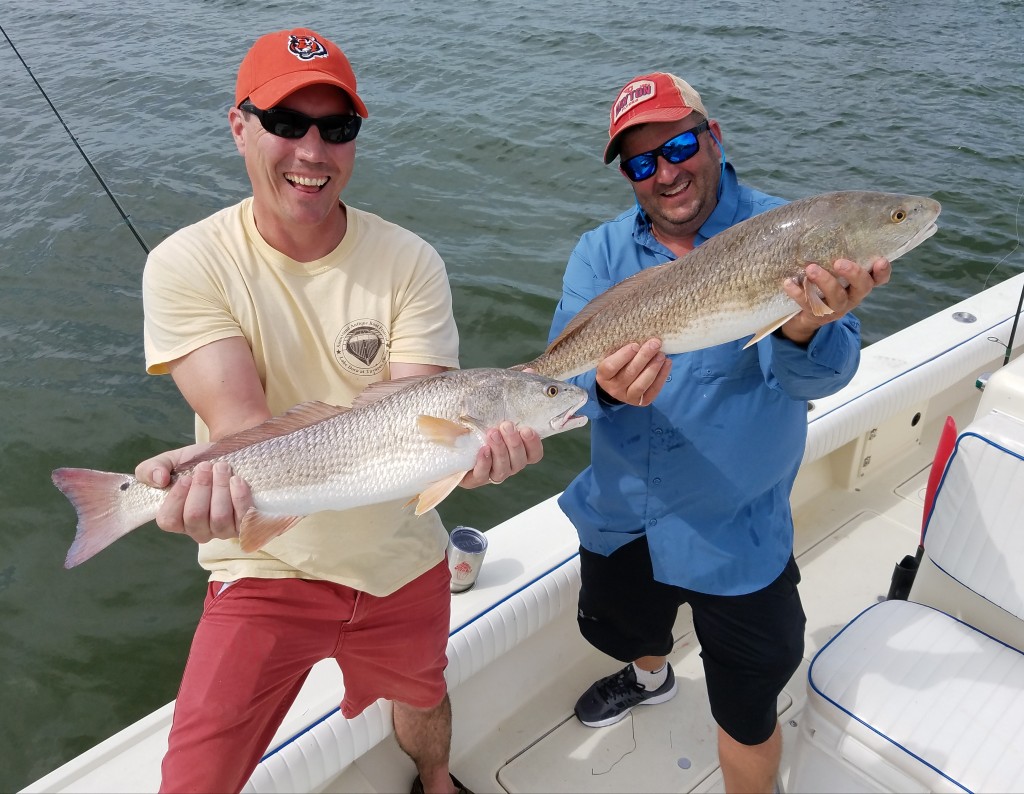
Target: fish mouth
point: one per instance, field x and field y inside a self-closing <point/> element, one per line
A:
<point x="914" y="241"/>
<point x="568" y="420"/>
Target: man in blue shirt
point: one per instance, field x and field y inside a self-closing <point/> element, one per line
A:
<point x="693" y="456"/>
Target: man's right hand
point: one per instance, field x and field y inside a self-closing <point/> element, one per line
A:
<point x="208" y="502"/>
<point x="634" y="374"/>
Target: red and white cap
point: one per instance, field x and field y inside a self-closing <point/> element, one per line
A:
<point x="659" y="96"/>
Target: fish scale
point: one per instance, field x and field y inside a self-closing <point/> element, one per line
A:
<point x="731" y="286"/>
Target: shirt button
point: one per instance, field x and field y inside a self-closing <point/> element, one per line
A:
<point x="658" y="431"/>
<point x="668" y="379"/>
<point x="653" y="522"/>
<point x="657" y="480"/>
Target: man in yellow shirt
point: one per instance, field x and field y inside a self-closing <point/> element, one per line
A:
<point x="290" y="296"/>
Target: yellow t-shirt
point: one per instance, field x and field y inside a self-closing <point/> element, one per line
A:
<point x="319" y="330"/>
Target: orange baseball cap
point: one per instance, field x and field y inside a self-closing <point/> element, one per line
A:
<point x="281" y="63"/>
<point x="651" y="97"/>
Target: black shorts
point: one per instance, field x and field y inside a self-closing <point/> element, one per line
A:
<point x="750" y="645"/>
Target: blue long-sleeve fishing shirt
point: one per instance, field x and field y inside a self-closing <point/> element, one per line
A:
<point x="706" y="471"/>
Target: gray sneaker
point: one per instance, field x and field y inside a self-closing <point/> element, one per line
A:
<point x="613" y="697"/>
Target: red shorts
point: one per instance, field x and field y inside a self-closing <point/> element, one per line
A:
<point x="257" y="641"/>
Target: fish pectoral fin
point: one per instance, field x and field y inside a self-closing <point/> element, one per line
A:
<point x="769" y="328"/>
<point x="434" y="494"/>
<point x="818" y="306"/>
<point x="258" y="529"/>
<point x="441" y="431"/>
<point x="473" y="423"/>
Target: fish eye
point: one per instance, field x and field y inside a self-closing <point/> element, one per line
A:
<point x="552" y="390"/>
<point x="898" y="216"/>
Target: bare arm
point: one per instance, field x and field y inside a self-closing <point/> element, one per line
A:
<point x="220" y="382"/>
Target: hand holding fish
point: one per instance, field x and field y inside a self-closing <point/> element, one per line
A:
<point x="508" y="451"/>
<point x="207" y="503"/>
<point x="634" y="374"/>
<point x="841" y="291"/>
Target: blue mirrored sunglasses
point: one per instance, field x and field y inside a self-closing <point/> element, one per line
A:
<point x="286" y="123"/>
<point x="676" y="150"/>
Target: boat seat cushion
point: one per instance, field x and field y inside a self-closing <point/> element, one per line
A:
<point x="938" y="692"/>
<point x="975" y="532"/>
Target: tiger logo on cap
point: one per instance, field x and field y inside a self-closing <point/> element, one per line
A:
<point x="306" y="48"/>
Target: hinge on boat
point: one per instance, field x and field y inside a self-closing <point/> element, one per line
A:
<point x="871" y="451"/>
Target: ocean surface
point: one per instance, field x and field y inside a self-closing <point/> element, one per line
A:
<point x="485" y="136"/>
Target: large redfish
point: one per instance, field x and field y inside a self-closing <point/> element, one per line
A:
<point x="414" y="437"/>
<point x="731" y="286"/>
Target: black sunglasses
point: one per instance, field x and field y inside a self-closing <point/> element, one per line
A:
<point x="286" y="123"/>
<point x="676" y="150"/>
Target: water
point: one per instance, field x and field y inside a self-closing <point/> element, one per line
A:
<point x="487" y="125"/>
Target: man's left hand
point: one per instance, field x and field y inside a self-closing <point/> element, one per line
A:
<point x="840" y="299"/>
<point x="508" y="451"/>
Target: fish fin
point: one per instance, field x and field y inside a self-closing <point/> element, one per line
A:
<point x="96" y="497"/>
<point x="615" y="294"/>
<point x="818" y="306"/>
<point x="258" y="529"/>
<point x="296" y="418"/>
<point x="473" y="424"/>
<point x="769" y="328"/>
<point x="383" y="388"/>
<point x="441" y="431"/>
<point x="434" y="494"/>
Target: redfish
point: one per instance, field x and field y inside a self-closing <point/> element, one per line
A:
<point x="411" y="438"/>
<point x="731" y="286"/>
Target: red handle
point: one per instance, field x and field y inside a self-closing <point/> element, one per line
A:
<point x="947" y="440"/>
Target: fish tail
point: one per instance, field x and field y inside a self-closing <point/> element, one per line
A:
<point x="97" y="497"/>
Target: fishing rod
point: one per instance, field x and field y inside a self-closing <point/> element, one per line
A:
<point x="1020" y="303"/>
<point x="1013" y="329"/>
<point x="74" y="140"/>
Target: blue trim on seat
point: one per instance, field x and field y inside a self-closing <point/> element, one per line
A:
<point x="844" y="710"/>
<point x="935" y="501"/>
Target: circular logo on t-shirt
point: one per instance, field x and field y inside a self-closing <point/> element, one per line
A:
<point x="362" y="347"/>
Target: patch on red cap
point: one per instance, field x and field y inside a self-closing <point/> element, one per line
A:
<point x="633" y="94"/>
<point x="306" y="48"/>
